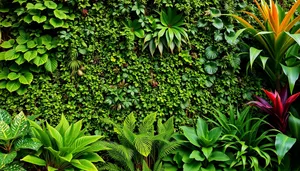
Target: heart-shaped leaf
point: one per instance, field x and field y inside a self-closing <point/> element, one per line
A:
<point x="21" y="48"/>
<point x="50" y="4"/>
<point x="51" y="65"/>
<point x="56" y="22"/>
<point x="29" y="55"/>
<point x="60" y="14"/>
<point x="12" y="86"/>
<point x="40" y="60"/>
<point x="26" y="78"/>
<point x="39" y="19"/>
<point x="13" y="76"/>
<point x="11" y="55"/>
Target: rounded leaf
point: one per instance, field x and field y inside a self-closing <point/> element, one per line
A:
<point x="26" y="78"/>
<point x="60" y="14"/>
<point x="50" y="4"/>
<point x="56" y="22"/>
<point x="12" y="86"/>
<point x="211" y="67"/>
<point x="13" y="76"/>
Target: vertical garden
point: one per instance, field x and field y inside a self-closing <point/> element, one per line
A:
<point x="149" y="85"/>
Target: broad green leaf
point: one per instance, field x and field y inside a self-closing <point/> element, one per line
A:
<point x="191" y="135"/>
<point x="22" y="90"/>
<point x="294" y="125"/>
<point x="39" y="19"/>
<point x="192" y="166"/>
<point x="84" y="141"/>
<point x="5" y="116"/>
<point x="296" y="37"/>
<point x="11" y="54"/>
<point x="218" y="23"/>
<point x="7" y="44"/>
<point x="60" y="14"/>
<point x="50" y="4"/>
<point x="56" y="136"/>
<point x="3" y="84"/>
<point x="56" y="22"/>
<point x="19" y="126"/>
<point x="51" y="65"/>
<point x="4" y="73"/>
<point x="30" y="6"/>
<point x="211" y="67"/>
<point x="93" y="157"/>
<point x="210" y="167"/>
<point x="27" y="143"/>
<point x="218" y="156"/>
<point x="30" y="55"/>
<point x="215" y="12"/>
<point x="13" y="76"/>
<point x="5" y="132"/>
<point x="38" y="61"/>
<point x="211" y="53"/>
<point x="254" y="53"/>
<point x="2" y="56"/>
<point x="21" y="48"/>
<point x="143" y="144"/>
<point x="152" y="47"/>
<point x="139" y="33"/>
<point x="83" y="164"/>
<point x="293" y="74"/>
<point x="39" y="6"/>
<point x="197" y="156"/>
<point x="7" y="158"/>
<point x="22" y="39"/>
<point x="283" y="144"/>
<point x="130" y="122"/>
<point x="207" y="151"/>
<point x="28" y="18"/>
<point x="34" y="160"/>
<point x="12" y="86"/>
<point x="20" y="60"/>
<point x="13" y="167"/>
<point x="31" y="44"/>
<point x="26" y="78"/>
<point x="6" y="23"/>
<point x="14" y="67"/>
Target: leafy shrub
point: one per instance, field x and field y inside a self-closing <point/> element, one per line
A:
<point x="65" y="147"/>
<point x="14" y="138"/>
<point x="143" y="150"/>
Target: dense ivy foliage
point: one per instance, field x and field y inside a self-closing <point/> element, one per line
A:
<point x="103" y="72"/>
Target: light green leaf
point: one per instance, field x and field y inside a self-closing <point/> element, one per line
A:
<point x="21" y="48"/>
<point x="83" y="164"/>
<point x="20" y="60"/>
<point x="22" y="39"/>
<point x="293" y="74"/>
<point x="50" y="4"/>
<point x="191" y="135"/>
<point x="7" y="44"/>
<point x="40" y="60"/>
<point x="207" y="151"/>
<point x="13" y="76"/>
<point x="3" y="84"/>
<point x="27" y="143"/>
<point x="12" y="86"/>
<point x="51" y="65"/>
<point x="19" y="126"/>
<point x="56" y="22"/>
<point x="34" y="160"/>
<point x="218" y="156"/>
<point x="7" y="158"/>
<point x="30" y="55"/>
<point x="254" y="53"/>
<point x="26" y="78"/>
<point x="264" y="61"/>
<point x="197" y="155"/>
<point x="60" y="14"/>
<point x="11" y="55"/>
<point x="39" y="6"/>
<point x="5" y="133"/>
<point x="39" y="19"/>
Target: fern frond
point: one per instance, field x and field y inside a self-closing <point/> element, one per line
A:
<point x="147" y="125"/>
<point x="110" y="167"/>
<point x="129" y="122"/>
<point x="169" y="148"/>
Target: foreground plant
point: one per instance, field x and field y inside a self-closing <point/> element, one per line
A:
<point x="65" y="147"/>
<point x="279" y="110"/>
<point x="278" y="33"/>
<point x="14" y="138"/>
<point x="244" y="140"/>
<point x="143" y="149"/>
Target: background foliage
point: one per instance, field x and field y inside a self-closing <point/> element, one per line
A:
<point x="103" y="72"/>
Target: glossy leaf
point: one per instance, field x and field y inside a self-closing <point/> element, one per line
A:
<point x="293" y="74"/>
<point x="26" y="78"/>
<point x="34" y="160"/>
<point x="254" y="53"/>
<point x="283" y="144"/>
<point x="51" y="65"/>
<point x="12" y="86"/>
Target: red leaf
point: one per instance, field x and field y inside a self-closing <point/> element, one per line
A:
<point x="271" y="96"/>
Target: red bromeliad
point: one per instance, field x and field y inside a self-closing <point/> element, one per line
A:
<point x="279" y="110"/>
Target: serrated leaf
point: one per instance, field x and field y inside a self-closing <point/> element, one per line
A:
<point x="50" y="4"/>
<point x="60" y="14"/>
<point x="12" y="86"/>
<point x="56" y="22"/>
<point x="13" y="76"/>
<point x="26" y="78"/>
<point x="51" y="65"/>
<point x="40" y="60"/>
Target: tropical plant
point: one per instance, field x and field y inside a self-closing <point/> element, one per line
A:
<point x="243" y="139"/>
<point x="143" y="150"/>
<point x="279" y="110"/>
<point x="135" y="28"/>
<point x="200" y="149"/>
<point x="168" y="32"/>
<point x="13" y="138"/>
<point x="278" y="34"/>
<point x="65" y="147"/>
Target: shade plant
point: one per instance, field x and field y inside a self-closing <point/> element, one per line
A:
<point x="277" y="33"/>
<point x="246" y="139"/>
<point x="14" y="140"/>
<point x="65" y="147"/>
<point x="139" y="147"/>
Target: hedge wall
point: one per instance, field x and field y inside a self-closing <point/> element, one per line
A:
<point x="103" y="71"/>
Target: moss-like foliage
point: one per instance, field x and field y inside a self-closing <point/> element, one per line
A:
<point x="103" y="71"/>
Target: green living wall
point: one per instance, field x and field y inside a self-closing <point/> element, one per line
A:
<point x="97" y="66"/>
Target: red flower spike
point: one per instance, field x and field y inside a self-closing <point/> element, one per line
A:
<point x="279" y="110"/>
